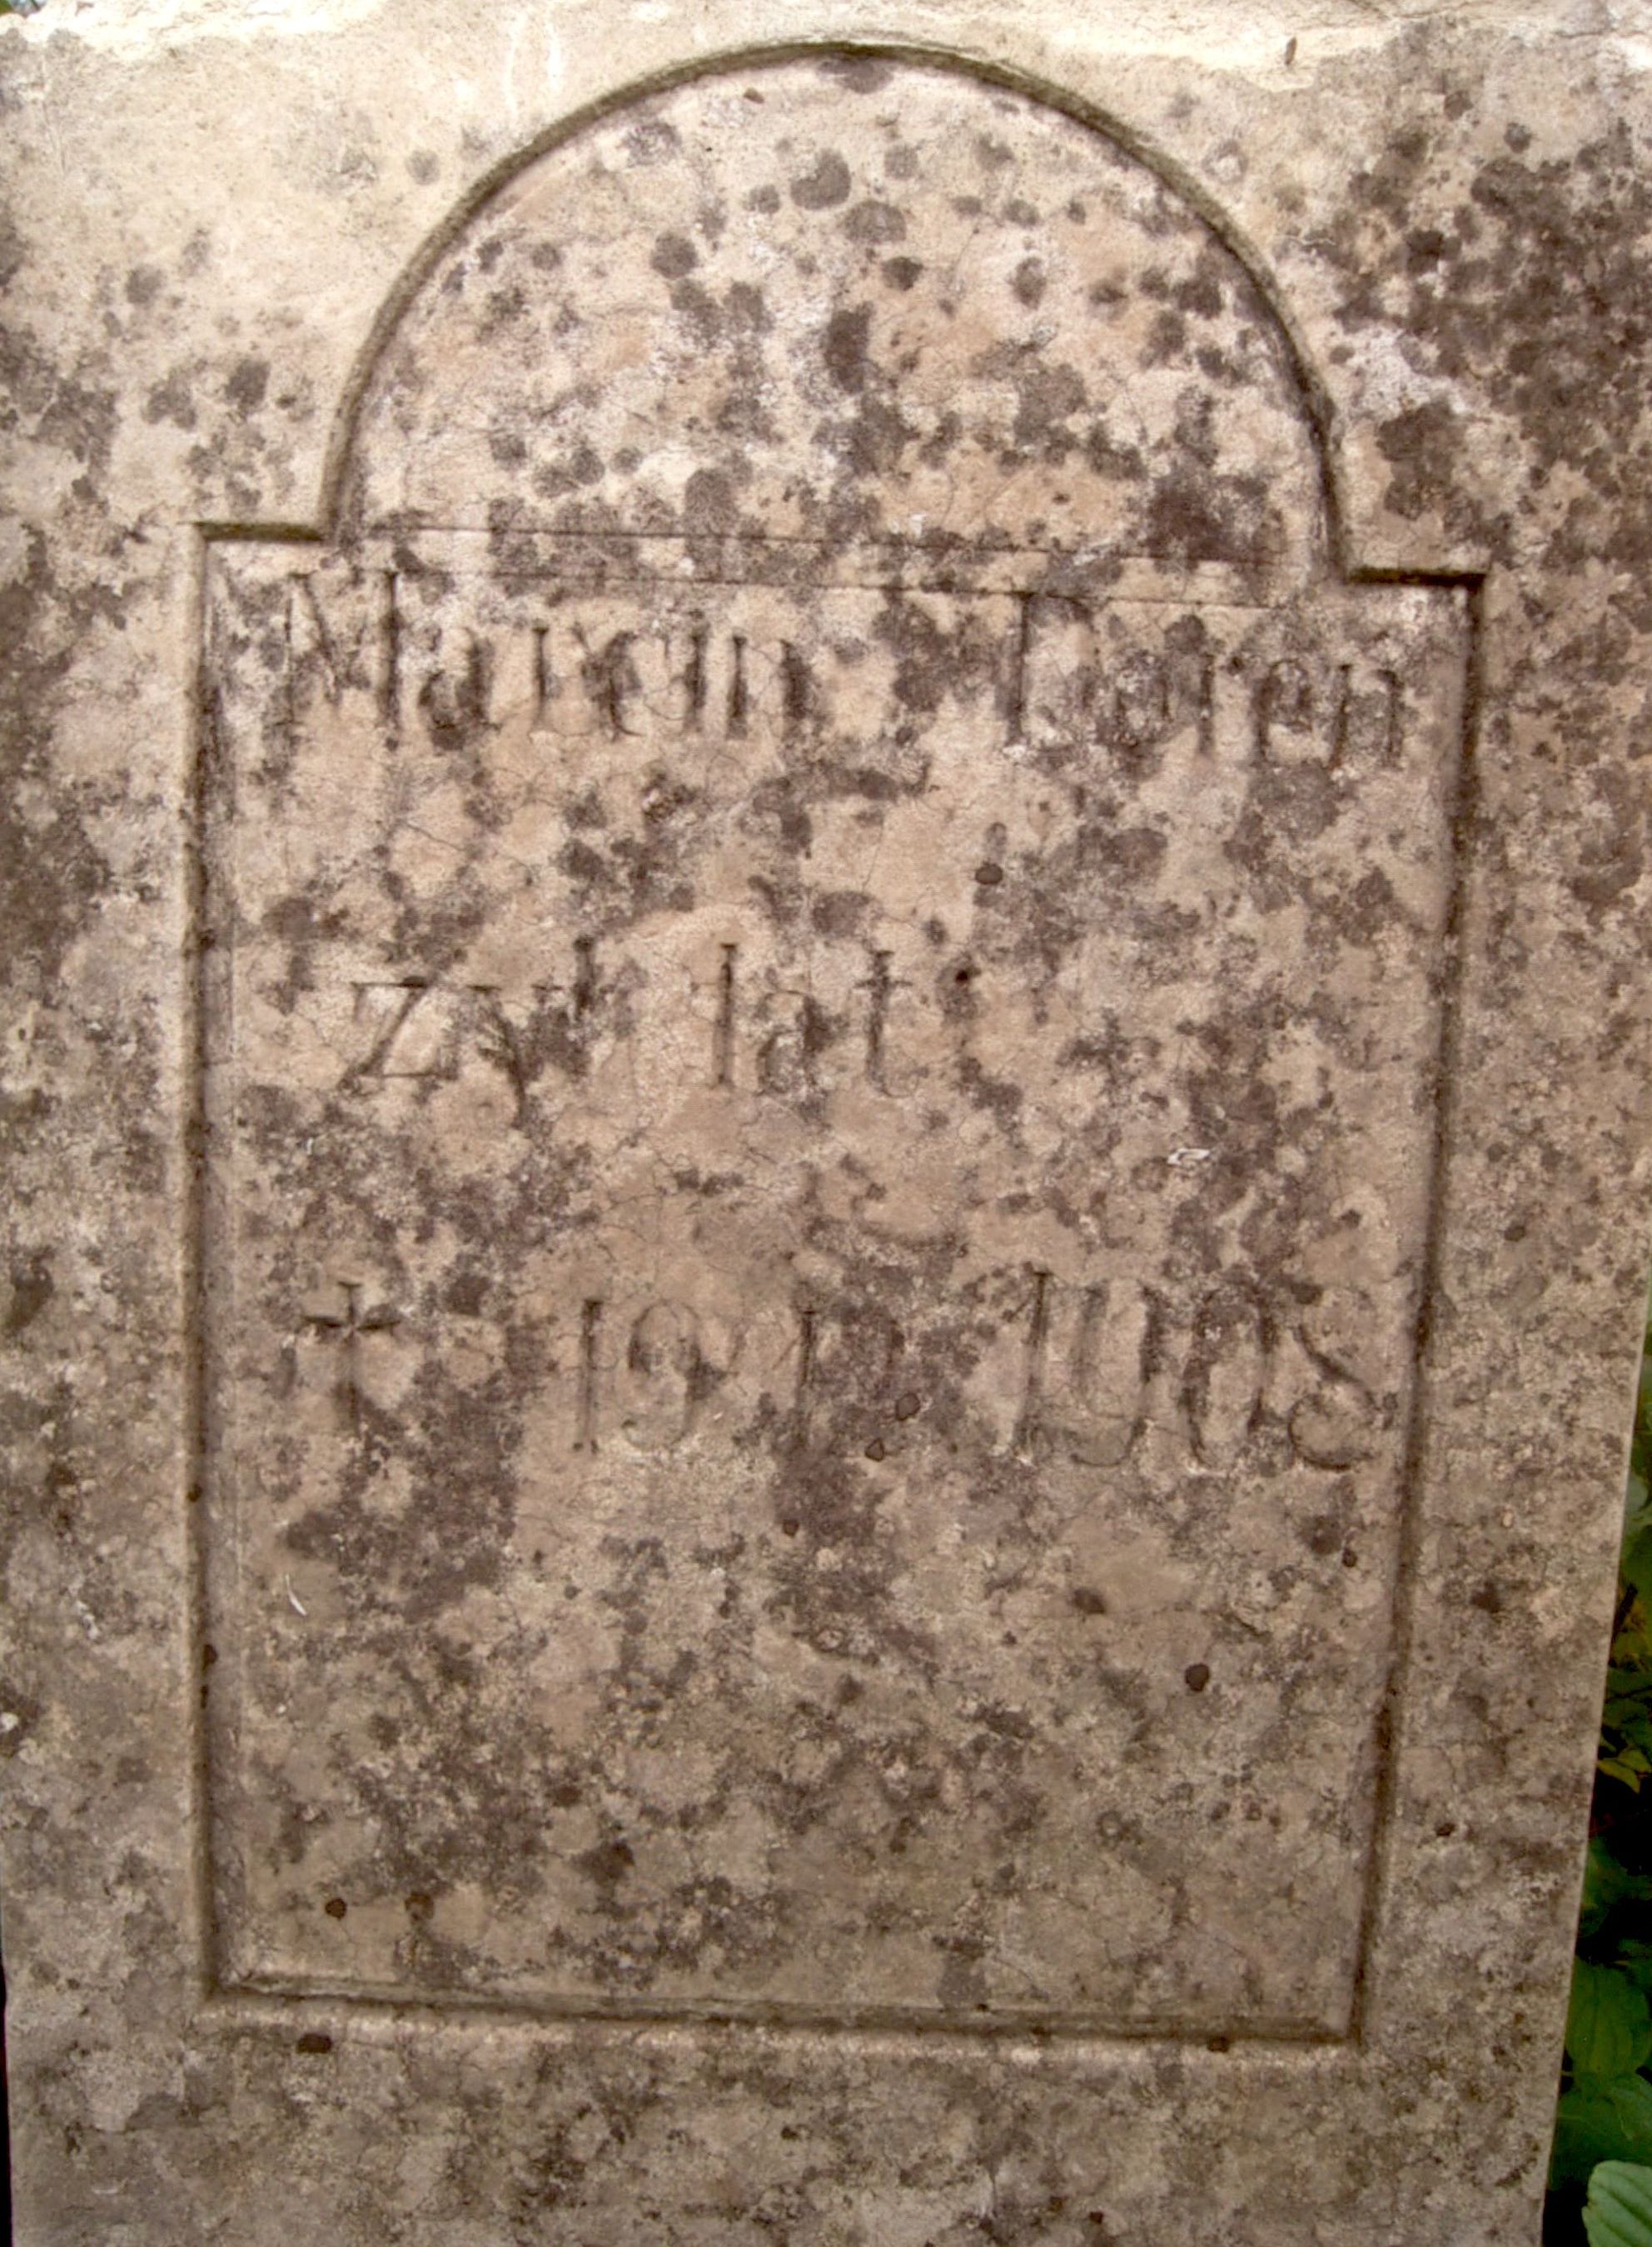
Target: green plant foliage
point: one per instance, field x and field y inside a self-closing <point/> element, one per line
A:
<point x="1602" y="2119"/>
<point x="1618" y="2212"/>
<point x="1603" y="2124"/>
<point x="1605" y="1885"/>
<point x="1627" y="1725"/>
<point x="1608" y="2031"/>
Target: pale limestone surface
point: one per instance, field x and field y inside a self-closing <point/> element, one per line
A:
<point x="827" y="1098"/>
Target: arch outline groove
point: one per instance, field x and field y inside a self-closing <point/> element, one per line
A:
<point x="1314" y="396"/>
<point x="1331" y="535"/>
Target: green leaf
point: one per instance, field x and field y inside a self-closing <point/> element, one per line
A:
<point x="1618" y="2212"/>
<point x="1605" y="2118"/>
<point x="1608" y="2030"/>
<point x="1633" y="1730"/>
<point x="1624" y="1732"/>
<point x="1637" y="1565"/>
<point x="1606" y="1883"/>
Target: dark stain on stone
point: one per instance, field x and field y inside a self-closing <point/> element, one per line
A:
<point x="996" y="1094"/>
<point x="652" y="139"/>
<point x="840" y="912"/>
<point x="171" y="401"/>
<point x="456" y="704"/>
<point x="607" y="1863"/>
<point x="673" y="255"/>
<point x="49" y="891"/>
<point x="1047" y="395"/>
<point x="1422" y="446"/>
<point x="32" y="1289"/>
<point x="699" y="309"/>
<point x="859" y="73"/>
<point x="1200" y="517"/>
<point x="844" y="348"/>
<point x="1201" y="293"/>
<point x="577" y="468"/>
<point x="1610" y="860"/>
<point x="247" y="385"/>
<point x="711" y="505"/>
<point x="824" y="186"/>
<point x="873" y="223"/>
<point x="1030" y="282"/>
<point x="1167" y="340"/>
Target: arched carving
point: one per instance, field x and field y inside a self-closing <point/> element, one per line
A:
<point x="829" y="909"/>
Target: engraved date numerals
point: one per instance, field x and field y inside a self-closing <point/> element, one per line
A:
<point x="647" y="1373"/>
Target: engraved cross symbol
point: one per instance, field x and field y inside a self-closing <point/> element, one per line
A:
<point x="348" y="1327"/>
<point x="879" y="987"/>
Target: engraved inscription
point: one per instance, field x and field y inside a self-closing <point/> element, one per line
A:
<point x="1120" y="1372"/>
<point x="821" y="1112"/>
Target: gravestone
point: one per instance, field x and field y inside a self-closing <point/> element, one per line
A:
<point x="828" y="1243"/>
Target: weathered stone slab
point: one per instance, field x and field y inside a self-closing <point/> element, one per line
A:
<point x="848" y="1020"/>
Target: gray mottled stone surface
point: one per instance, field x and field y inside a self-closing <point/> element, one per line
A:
<point x="826" y="1083"/>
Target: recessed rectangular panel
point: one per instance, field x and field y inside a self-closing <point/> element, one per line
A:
<point x="819" y="1196"/>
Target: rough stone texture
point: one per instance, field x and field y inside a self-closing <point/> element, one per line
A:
<point x="827" y="1078"/>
